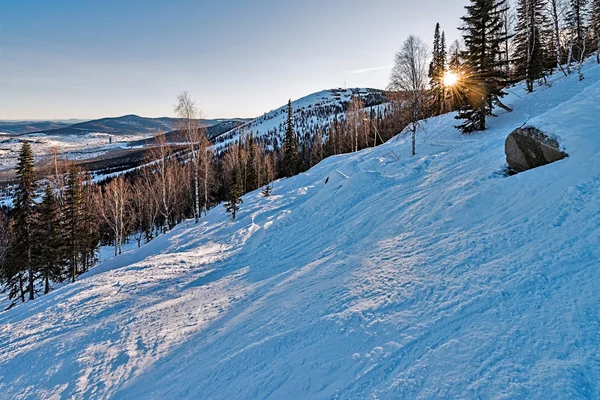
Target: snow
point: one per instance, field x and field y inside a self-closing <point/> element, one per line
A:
<point x="434" y="276"/>
<point x="72" y="147"/>
<point x="312" y="112"/>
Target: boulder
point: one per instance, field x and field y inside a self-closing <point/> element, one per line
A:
<point x="529" y="147"/>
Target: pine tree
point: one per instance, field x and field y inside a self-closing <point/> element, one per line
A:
<point x="267" y="190"/>
<point x="437" y="69"/>
<point x="235" y="194"/>
<point x="73" y="220"/>
<point x="290" y="146"/>
<point x="252" y="177"/>
<point x="577" y="17"/>
<point x="483" y="76"/>
<point x="596" y="25"/>
<point x="25" y="217"/>
<point x="530" y="57"/>
<point x="90" y="234"/>
<point x="49" y="241"/>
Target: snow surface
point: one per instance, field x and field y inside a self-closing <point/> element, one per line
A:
<point x="311" y="113"/>
<point x="435" y="276"/>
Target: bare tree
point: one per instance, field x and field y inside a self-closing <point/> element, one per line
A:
<point x="409" y="75"/>
<point x="195" y="138"/>
<point x="160" y="156"/>
<point x="114" y="208"/>
<point x="556" y="15"/>
<point x="354" y="122"/>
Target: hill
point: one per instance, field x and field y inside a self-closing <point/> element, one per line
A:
<point x="124" y="125"/>
<point x="372" y="275"/>
<point x="312" y="113"/>
<point x="21" y="127"/>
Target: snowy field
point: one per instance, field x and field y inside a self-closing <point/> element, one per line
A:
<point x="434" y="276"/>
<point x="71" y="147"/>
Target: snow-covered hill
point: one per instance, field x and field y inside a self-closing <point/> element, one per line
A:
<point x="312" y="113"/>
<point x="435" y="276"/>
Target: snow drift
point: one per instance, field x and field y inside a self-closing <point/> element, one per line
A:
<point x="435" y="276"/>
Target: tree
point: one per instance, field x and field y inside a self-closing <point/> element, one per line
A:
<point x="290" y="146"/>
<point x="529" y="53"/>
<point x="316" y="149"/>
<point x="25" y="214"/>
<point x="484" y="77"/>
<point x="267" y="190"/>
<point x="556" y="33"/>
<point x="596" y="26"/>
<point x="577" y="18"/>
<point x="235" y="194"/>
<point x="49" y="240"/>
<point x="355" y="116"/>
<point x="160" y="155"/>
<point x="73" y="220"/>
<point x="437" y="70"/>
<point x="409" y="75"/>
<point x="196" y="140"/>
<point x="115" y="202"/>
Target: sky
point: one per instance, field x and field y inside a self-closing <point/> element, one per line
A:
<point x="89" y="59"/>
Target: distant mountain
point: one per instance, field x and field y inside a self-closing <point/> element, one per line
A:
<point x="22" y="127"/>
<point x="212" y="131"/>
<point x="125" y="125"/>
<point x="312" y="113"/>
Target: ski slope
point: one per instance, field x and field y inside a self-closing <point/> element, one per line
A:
<point x="435" y="276"/>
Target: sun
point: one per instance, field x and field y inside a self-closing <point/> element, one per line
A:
<point x="450" y="78"/>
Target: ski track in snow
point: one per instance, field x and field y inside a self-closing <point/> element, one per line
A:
<point x="427" y="277"/>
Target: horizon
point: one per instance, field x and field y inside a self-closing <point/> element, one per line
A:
<point x="90" y="61"/>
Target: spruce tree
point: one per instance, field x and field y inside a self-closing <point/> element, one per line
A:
<point x="73" y="220"/>
<point x="290" y="146"/>
<point x="484" y="75"/>
<point x="596" y="26"/>
<point x="235" y="194"/>
<point x="530" y="56"/>
<point x="252" y="178"/>
<point x="25" y="217"/>
<point x="437" y="70"/>
<point x="267" y="190"/>
<point x="577" y="17"/>
<point x="49" y="240"/>
<point x="90" y="234"/>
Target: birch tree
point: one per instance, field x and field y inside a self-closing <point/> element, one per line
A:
<point x="409" y="75"/>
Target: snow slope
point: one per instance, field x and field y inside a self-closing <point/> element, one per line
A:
<point x="311" y="113"/>
<point x="434" y="276"/>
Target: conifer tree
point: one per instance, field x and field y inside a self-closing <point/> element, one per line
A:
<point x="483" y="76"/>
<point x="267" y="190"/>
<point x="290" y="146"/>
<point x="530" y="54"/>
<point x="596" y="26"/>
<point x="437" y="69"/>
<point x="48" y="240"/>
<point x="73" y="220"/>
<point x="577" y="17"/>
<point x="25" y="216"/>
<point x="252" y="176"/>
<point x="235" y="193"/>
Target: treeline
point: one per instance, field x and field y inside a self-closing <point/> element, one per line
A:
<point x="501" y="46"/>
<point x="56" y="225"/>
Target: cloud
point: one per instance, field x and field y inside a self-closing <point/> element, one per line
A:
<point x="364" y="70"/>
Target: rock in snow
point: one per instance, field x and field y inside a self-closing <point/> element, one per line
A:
<point x="529" y="147"/>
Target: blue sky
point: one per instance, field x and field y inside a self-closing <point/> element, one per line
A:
<point x="87" y="59"/>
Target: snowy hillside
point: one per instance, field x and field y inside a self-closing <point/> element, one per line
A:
<point x="311" y="113"/>
<point x="435" y="276"/>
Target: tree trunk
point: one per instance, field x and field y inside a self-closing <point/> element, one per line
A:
<point x="46" y="283"/>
